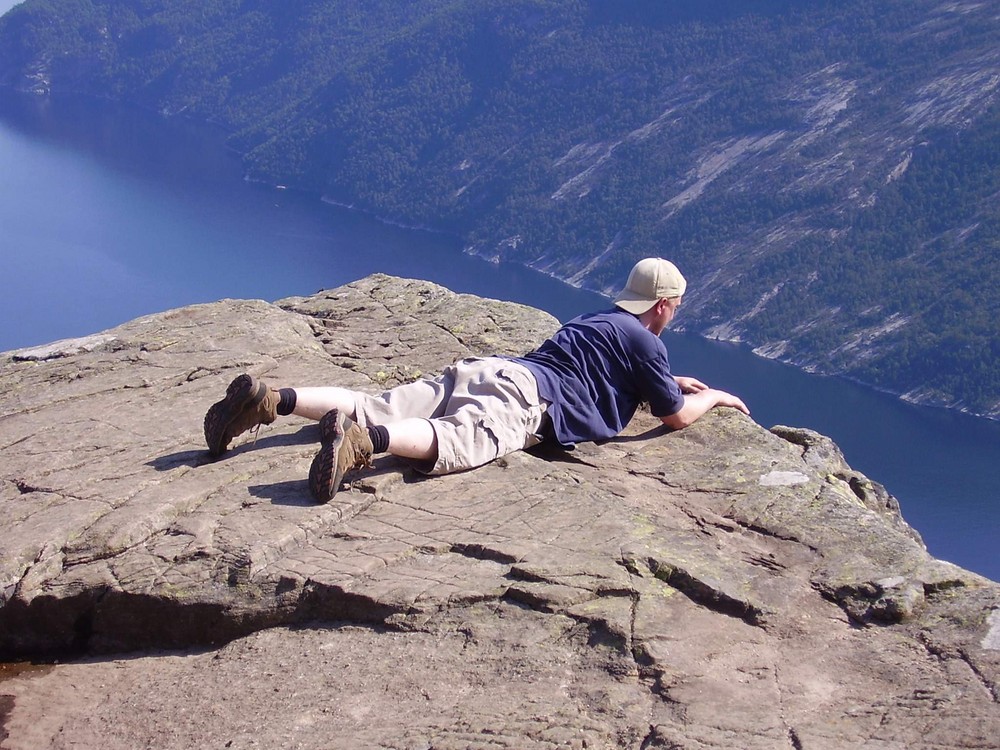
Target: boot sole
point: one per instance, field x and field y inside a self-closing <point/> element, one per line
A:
<point x="242" y="393"/>
<point x="324" y="476"/>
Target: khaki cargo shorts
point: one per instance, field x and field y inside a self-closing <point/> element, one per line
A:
<point x="480" y="409"/>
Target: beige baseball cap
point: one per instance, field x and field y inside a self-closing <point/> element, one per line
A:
<point x="650" y="280"/>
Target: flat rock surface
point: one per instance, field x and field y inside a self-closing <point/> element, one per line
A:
<point x="724" y="586"/>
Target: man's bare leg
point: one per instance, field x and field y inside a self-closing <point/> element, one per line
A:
<point x="412" y="438"/>
<point x="314" y="402"/>
<point x="408" y="438"/>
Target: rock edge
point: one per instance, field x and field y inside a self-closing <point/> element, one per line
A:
<point x="657" y="568"/>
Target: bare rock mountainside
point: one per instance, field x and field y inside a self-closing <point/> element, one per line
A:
<point x="724" y="586"/>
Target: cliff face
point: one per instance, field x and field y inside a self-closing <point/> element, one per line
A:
<point x="720" y="586"/>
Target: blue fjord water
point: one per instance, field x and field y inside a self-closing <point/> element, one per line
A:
<point x="107" y="213"/>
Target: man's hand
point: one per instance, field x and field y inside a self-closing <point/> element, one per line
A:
<point x="693" y="385"/>
<point x="699" y="402"/>
<point x="690" y="385"/>
<point x="728" y="399"/>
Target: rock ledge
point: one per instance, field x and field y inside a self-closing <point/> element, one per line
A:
<point x="721" y="586"/>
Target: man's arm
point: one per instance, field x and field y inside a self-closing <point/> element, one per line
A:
<point x="690" y="385"/>
<point x="697" y="402"/>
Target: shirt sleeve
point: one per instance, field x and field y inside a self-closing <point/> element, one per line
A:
<point x="658" y="385"/>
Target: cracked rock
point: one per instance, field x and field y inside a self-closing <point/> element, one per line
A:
<point x="650" y="591"/>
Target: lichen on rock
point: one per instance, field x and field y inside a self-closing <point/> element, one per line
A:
<point x="719" y="586"/>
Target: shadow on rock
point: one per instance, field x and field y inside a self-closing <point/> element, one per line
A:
<point x="552" y="451"/>
<point x="658" y="431"/>
<point x="294" y="492"/>
<point x="306" y="435"/>
<point x="181" y="458"/>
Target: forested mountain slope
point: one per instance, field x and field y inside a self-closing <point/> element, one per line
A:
<point x="826" y="173"/>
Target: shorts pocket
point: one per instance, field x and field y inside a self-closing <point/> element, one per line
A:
<point x="525" y="383"/>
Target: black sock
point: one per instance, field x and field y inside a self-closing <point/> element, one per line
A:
<point x="287" y="403"/>
<point x="380" y="438"/>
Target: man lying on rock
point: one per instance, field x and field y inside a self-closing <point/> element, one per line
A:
<point x="582" y="384"/>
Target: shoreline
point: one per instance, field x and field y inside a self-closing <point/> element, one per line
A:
<point x="274" y="183"/>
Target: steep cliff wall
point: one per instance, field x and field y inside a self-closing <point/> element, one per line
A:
<point x="720" y="586"/>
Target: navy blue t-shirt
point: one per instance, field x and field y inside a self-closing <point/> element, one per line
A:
<point x="596" y="370"/>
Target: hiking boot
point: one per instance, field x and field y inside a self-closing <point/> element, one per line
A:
<point x="249" y="403"/>
<point x="345" y="447"/>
